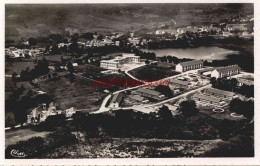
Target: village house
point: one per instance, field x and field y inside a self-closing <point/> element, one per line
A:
<point x="242" y="81"/>
<point x="218" y="93"/>
<point x="150" y="93"/>
<point x="175" y="84"/>
<point x="44" y="77"/>
<point x="41" y="113"/>
<point x="63" y="45"/>
<point x="226" y="71"/>
<point x="18" y="53"/>
<point x="201" y="99"/>
<point x="236" y="27"/>
<point x="69" y="112"/>
<point x="117" y="43"/>
<point x="137" y="98"/>
<point x="209" y="29"/>
<point x="226" y="34"/>
<point x="116" y="100"/>
<point x="134" y="41"/>
<point x="190" y="65"/>
<point x="166" y="31"/>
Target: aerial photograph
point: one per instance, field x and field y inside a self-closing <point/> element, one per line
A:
<point x="129" y="80"/>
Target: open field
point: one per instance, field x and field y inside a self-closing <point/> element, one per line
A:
<point x="152" y="72"/>
<point x="79" y="94"/>
<point x="56" y="58"/>
<point x="11" y="67"/>
<point x="221" y="115"/>
<point x="12" y="137"/>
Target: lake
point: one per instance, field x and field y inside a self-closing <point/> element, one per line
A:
<point x="205" y="53"/>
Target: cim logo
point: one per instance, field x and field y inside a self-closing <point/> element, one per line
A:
<point x="17" y="153"/>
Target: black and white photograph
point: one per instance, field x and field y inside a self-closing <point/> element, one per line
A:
<point x="129" y="80"/>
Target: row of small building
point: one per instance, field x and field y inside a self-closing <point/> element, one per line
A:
<point x="21" y="53"/>
<point x="228" y="29"/>
<point x="212" y="96"/>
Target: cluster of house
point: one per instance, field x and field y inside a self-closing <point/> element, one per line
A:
<point x="213" y="97"/>
<point x="21" y="53"/>
<point x="118" y="61"/>
<point x="95" y="42"/>
<point x="43" y="111"/>
<point x="227" y="31"/>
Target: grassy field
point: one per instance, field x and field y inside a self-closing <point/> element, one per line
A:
<point x="152" y="72"/>
<point x="56" y="58"/>
<point x="134" y="148"/>
<point x="12" y="137"/>
<point x="221" y="115"/>
<point x="79" y="94"/>
<point x="12" y="67"/>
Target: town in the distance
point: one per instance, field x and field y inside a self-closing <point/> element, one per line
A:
<point x="167" y="89"/>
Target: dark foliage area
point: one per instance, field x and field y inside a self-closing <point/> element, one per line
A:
<point x="231" y="85"/>
<point x="37" y="146"/>
<point x="22" y="100"/>
<point x="245" y="108"/>
<point x="127" y="123"/>
<point x="40" y="69"/>
<point x="239" y="146"/>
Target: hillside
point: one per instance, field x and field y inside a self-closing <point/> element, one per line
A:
<point x="40" y="20"/>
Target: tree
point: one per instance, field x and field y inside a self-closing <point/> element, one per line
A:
<point x="32" y="41"/>
<point x="236" y="105"/>
<point x="188" y="108"/>
<point x="248" y="110"/>
<point x="70" y="67"/>
<point x="100" y="37"/>
<point x="165" y="113"/>
<point x="213" y="81"/>
<point x="14" y="76"/>
<point x="62" y="136"/>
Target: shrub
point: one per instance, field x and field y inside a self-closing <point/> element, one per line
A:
<point x="31" y="148"/>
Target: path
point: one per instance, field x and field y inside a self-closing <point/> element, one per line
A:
<point x="132" y="68"/>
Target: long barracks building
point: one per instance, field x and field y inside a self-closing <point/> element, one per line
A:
<point x="190" y="65"/>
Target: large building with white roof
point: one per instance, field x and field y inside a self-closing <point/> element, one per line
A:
<point x="118" y="61"/>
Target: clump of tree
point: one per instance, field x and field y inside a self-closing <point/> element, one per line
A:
<point x="232" y="85"/>
<point x="245" y="108"/>
<point x="41" y="68"/>
<point x="188" y="108"/>
<point x="20" y="101"/>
